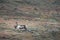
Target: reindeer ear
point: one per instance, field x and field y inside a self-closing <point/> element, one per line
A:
<point x="16" y="22"/>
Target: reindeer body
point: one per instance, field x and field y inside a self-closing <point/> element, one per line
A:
<point x="20" y="27"/>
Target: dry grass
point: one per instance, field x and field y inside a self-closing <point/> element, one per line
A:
<point x="41" y="30"/>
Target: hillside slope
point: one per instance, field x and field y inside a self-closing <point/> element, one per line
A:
<point x="31" y="8"/>
<point x="41" y="17"/>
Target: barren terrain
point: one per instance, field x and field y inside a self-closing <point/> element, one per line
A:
<point x="41" y="17"/>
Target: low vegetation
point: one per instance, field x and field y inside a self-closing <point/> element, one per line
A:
<point x="47" y="32"/>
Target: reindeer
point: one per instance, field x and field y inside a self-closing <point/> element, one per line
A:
<point x="20" y="27"/>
